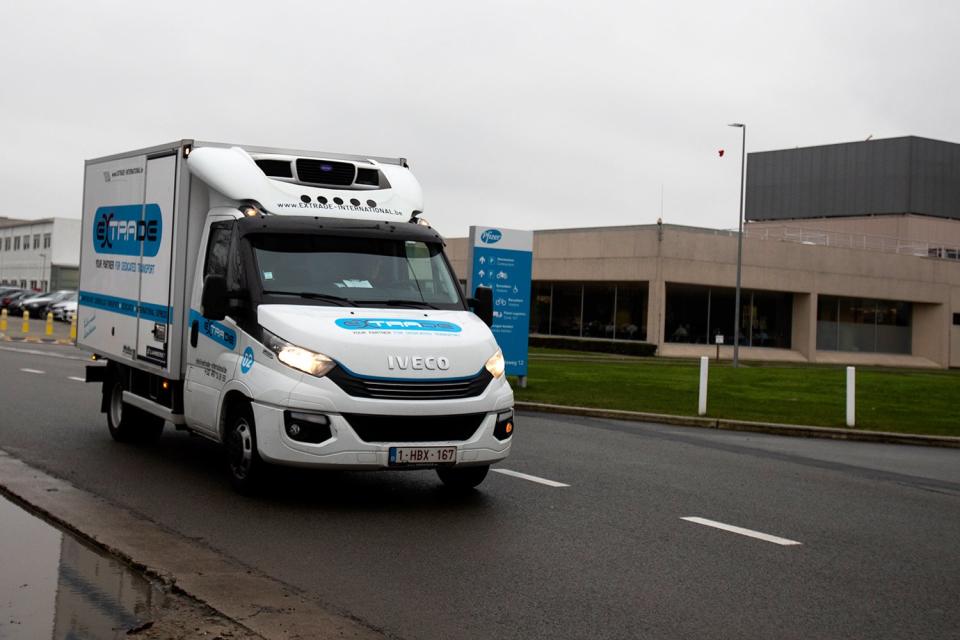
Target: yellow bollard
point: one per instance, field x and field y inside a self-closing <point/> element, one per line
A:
<point x="25" y="327"/>
<point x="49" y="323"/>
<point x="3" y="320"/>
<point x="73" y="328"/>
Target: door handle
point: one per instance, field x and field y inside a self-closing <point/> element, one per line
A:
<point x="194" y="333"/>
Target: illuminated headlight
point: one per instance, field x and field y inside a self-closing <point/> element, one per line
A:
<point x="495" y="364"/>
<point x="316" y="364"/>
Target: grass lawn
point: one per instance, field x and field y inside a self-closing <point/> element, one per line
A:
<point x="908" y="401"/>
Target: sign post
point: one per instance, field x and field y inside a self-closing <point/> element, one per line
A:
<point x="502" y="259"/>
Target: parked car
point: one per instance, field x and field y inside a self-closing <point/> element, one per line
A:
<point x="70" y="311"/>
<point x="38" y="305"/>
<point x="60" y="309"/>
<point x="57" y="308"/>
<point x="11" y="300"/>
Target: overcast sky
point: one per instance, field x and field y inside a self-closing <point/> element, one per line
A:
<point x="522" y="114"/>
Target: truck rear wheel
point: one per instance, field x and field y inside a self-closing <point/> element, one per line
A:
<point x="462" y="478"/>
<point x="240" y="445"/>
<point x="128" y="423"/>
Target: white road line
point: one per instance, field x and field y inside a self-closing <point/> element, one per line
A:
<point x="524" y="476"/>
<point x="38" y="352"/>
<point x="33" y="371"/>
<point x="744" y="532"/>
<point x="76" y="378"/>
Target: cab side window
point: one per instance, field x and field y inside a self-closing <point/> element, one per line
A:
<point x="218" y="249"/>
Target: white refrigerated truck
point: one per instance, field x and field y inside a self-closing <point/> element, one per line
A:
<point x="293" y="306"/>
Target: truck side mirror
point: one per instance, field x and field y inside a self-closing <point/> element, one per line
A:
<point x="482" y="304"/>
<point x="213" y="299"/>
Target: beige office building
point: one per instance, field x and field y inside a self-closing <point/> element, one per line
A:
<point x="851" y="254"/>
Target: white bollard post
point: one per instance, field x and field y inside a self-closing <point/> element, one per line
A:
<point x="851" y="396"/>
<point x="702" y="406"/>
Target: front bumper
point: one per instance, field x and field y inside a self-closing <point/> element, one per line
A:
<point x="345" y="450"/>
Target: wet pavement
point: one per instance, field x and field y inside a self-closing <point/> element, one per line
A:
<point x="54" y="586"/>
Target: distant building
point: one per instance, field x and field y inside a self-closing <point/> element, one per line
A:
<point x="40" y="254"/>
<point x="851" y="255"/>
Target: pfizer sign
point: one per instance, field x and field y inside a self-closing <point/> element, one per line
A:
<point x="490" y="236"/>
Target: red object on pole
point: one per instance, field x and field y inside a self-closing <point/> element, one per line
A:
<point x="720" y="152"/>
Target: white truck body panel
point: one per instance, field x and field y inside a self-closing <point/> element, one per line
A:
<point x="147" y="216"/>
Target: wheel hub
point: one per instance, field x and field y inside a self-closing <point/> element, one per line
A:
<point x="240" y="449"/>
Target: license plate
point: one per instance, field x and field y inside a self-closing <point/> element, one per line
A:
<point x="422" y="455"/>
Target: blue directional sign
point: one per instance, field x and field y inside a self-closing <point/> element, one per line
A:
<point x="502" y="259"/>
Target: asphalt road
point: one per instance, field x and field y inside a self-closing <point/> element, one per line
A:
<point x="609" y="556"/>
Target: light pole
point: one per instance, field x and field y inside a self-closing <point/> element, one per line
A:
<point x="43" y="267"/>
<point x="736" y="310"/>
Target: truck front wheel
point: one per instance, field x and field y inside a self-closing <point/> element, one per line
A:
<point x="128" y="423"/>
<point x="462" y="478"/>
<point x="240" y="444"/>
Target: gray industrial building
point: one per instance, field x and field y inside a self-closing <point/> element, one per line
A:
<point x="851" y="254"/>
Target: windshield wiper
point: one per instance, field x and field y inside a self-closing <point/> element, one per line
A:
<point x="419" y="304"/>
<point x="315" y="296"/>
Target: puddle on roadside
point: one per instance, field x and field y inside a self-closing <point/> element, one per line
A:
<point x="54" y="586"/>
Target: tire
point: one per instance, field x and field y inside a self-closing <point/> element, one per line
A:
<point x="244" y="466"/>
<point x="128" y="423"/>
<point x="462" y="478"/>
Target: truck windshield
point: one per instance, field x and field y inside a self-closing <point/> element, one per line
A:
<point x="355" y="271"/>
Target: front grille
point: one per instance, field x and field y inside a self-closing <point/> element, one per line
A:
<point x="410" y="389"/>
<point x="375" y="428"/>
<point x="326" y="172"/>
<point x="275" y="168"/>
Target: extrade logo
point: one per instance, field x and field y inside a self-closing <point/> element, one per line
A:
<point x="395" y="324"/>
<point x="491" y="236"/>
<point x="124" y="230"/>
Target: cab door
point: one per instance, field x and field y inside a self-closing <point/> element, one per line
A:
<point x="211" y="344"/>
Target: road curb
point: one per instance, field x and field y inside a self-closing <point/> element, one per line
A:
<point x="241" y="594"/>
<point x="802" y="431"/>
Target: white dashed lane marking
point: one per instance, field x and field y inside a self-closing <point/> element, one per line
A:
<point x="33" y="371"/>
<point x="524" y="476"/>
<point x="78" y="379"/>
<point x="786" y="542"/>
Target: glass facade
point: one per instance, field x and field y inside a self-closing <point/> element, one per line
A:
<point x="696" y="313"/>
<point x="862" y="324"/>
<point x="597" y="310"/>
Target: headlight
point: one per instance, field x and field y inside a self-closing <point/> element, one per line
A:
<point x="495" y="364"/>
<point x="316" y="364"/>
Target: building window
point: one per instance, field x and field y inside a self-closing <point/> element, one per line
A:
<point x="46" y="241"/>
<point x="36" y="241"/>
<point x="864" y="325"/>
<point x="567" y="309"/>
<point x="598" y="317"/>
<point x="26" y="243"/>
<point x="43" y="285"/>
<point x="541" y="293"/>
<point x="16" y="244"/>
<point x="697" y="314"/>
<point x="631" y="323"/>
<point x="956" y="319"/>
<point x="599" y="310"/>
<point x="6" y="243"/>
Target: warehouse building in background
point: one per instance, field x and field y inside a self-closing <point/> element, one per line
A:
<point x="851" y="254"/>
<point x="42" y="254"/>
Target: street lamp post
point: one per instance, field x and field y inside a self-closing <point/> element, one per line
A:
<point x="736" y="311"/>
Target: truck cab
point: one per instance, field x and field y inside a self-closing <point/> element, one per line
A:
<point x="319" y="321"/>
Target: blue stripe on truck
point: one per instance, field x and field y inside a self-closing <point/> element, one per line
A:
<point x="126" y="306"/>
<point x="216" y="331"/>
